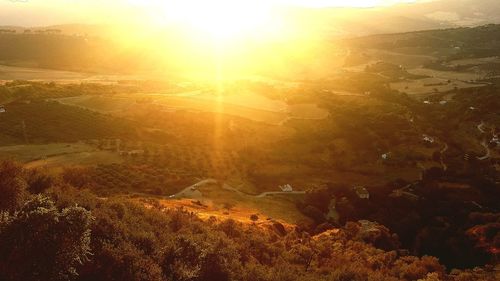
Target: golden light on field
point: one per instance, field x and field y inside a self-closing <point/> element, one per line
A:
<point x="213" y="38"/>
<point x="226" y="35"/>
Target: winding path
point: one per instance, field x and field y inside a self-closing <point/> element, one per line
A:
<point x="488" y="151"/>
<point x="481" y="129"/>
<point x="263" y="194"/>
<point x="441" y="152"/>
<point x="192" y="190"/>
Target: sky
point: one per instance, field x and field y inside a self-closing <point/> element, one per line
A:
<point x="53" y="12"/>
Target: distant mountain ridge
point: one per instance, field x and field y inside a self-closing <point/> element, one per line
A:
<point x="347" y="22"/>
<point x="408" y="17"/>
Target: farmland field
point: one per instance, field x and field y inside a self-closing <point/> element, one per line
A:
<point x="256" y="108"/>
<point x="431" y="85"/>
<point x="9" y="73"/>
<point x="409" y="61"/>
<point x="451" y="75"/>
<point x="58" y="155"/>
<point x="475" y="61"/>
<point x="396" y="149"/>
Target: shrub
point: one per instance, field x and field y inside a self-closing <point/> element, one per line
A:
<point x="41" y="242"/>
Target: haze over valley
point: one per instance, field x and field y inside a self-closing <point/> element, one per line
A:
<point x="249" y="140"/>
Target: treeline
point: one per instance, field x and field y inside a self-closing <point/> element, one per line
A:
<point x="24" y="91"/>
<point x="467" y="42"/>
<point x="59" y="51"/>
<point x="50" y="230"/>
<point x="50" y="121"/>
<point x="105" y="180"/>
<point x="48" y="51"/>
<point x="446" y="215"/>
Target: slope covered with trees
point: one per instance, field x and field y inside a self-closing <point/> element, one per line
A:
<point x="69" y="234"/>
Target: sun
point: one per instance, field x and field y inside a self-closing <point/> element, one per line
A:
<point x="222" y="20"/>
<point x="231" y="20"/>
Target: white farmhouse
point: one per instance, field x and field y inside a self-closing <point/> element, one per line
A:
<point x="362" y="192"/>
<point x="286" y="188"/>
<point x="428" y="138"/>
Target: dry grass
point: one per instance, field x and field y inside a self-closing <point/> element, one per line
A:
<point x="100" y="103"/>
<point x="430" y="85"/>
<point x="475" y="61"/>
<point x="407" y="60"/>
<point x="307" y="111"/>
<point x="221" y="203"/>
<point x="273" y="113"/>
<point x="447" y="75"/>
<point x="10" y="73"/>
<point x="58" y="155"/>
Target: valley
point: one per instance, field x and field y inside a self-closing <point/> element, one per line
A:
<point x="402" y="138"/>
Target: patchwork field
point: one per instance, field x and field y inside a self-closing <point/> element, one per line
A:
<point x="449" y="75"/>
<point x="252" y="107"/>
<point x="431" y="85"/>
<point x="99" y="103"/>
<point x="58" y="155"/>
<point x="9" y="73"/>
<point x="215" y="200"/>
<point x="474" y="61"/>
<point x="409" y="61"/>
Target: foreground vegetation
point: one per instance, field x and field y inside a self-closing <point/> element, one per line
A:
<point x="428" y="162"/>
<point x="65" y="233"/>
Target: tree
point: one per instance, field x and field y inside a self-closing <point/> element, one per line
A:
<point x="303" y="254"/>
<point x="40" y="242"/>
<point x="77" y="177"/>
<point x="201" y="257"/>
<point x="38" y="182"/>
<point x="314" y="213"/>
<point x="13" y="188"/>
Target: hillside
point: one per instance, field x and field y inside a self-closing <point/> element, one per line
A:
<point x="139" y="154"/>
<point x="70" y="233"/>
<point x="423" y="15"/>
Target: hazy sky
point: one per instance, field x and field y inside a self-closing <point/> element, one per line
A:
<point x="51" y="12"/>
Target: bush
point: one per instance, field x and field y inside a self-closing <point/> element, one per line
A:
<point x="41" y="242"/>
<point x="13" y="187"/>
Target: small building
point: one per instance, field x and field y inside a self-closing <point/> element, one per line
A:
<point x="362" y="192"/>
<point x="495" y="140"/>
<point x="443" y="102"/>
<point x="2" y="109"/>
<point x="427" y="138"/>
<point x="286" y="188"/>
<point x="386" y="156"/>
